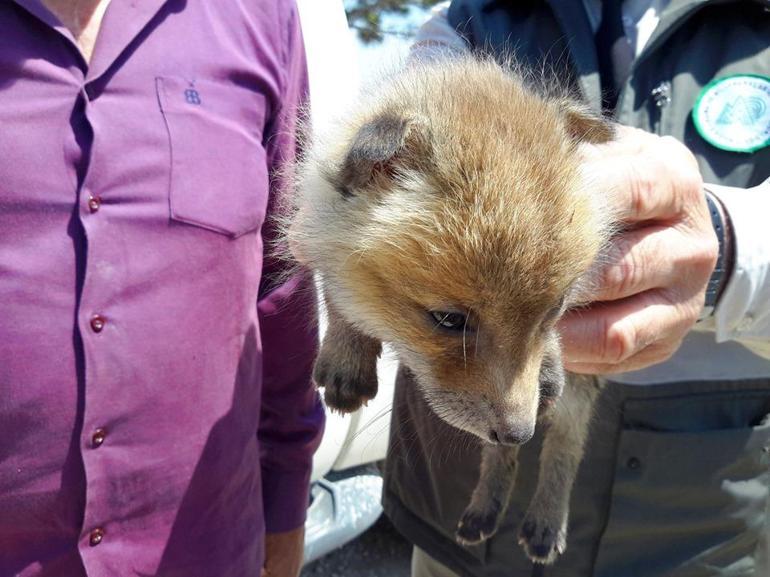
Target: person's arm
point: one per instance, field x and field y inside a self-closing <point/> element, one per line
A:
<point x="743" y="311"/>
<point x="650" y="287"/>
<point x="436" y="38"/>
<point x="292" y="417"/>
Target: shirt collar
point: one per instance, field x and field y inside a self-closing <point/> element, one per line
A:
<point x="123" y="21"/>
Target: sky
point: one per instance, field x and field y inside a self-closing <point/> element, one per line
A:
<point x="374" y="58"/>
<point x="339" y="63"/>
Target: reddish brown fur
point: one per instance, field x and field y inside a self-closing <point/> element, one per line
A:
<point x="456" y="188"/>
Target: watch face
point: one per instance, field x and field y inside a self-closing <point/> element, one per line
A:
<point x="733" y="113"/>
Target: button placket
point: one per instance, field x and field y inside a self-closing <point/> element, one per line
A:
<point x="97" y="517"/>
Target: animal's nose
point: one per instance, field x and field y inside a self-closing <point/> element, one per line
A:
<point x="512" y="435"/>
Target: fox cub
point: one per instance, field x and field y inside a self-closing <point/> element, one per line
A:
<point x="448" y="216"/>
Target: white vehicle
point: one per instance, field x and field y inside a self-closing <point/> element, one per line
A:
<point x="346" y="491"/>
<point x="345" y="496"/>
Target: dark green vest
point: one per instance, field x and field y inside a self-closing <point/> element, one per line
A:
<point x="696" y="41"/>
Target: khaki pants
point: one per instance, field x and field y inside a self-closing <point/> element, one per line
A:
<point x="423" y="565"/>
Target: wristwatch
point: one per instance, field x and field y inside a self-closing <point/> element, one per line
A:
<point x="721" y="271"/>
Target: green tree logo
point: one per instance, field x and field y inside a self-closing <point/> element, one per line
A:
<point x="744" y="110"/>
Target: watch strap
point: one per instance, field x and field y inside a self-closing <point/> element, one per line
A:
<point x="719" y="274"/>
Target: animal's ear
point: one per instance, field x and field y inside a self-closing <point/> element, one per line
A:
<point x="585" y="125"/>
<point x="380" y="148"/>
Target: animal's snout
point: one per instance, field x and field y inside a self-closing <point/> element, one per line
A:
<point x="513" y="434"/>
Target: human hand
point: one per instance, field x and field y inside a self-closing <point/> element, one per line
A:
<point x="650" y="287"/>
<point x="283" y="553"/>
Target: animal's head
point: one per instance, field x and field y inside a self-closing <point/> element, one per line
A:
<point x="450" y="219"/>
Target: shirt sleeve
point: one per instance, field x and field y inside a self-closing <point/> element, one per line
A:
<point x="292" y="416"/>
<point x="436" y="38"/>
<point x="743" y="312"/>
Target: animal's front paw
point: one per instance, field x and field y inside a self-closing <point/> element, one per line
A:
<point x="349" y="380"/>
<point x="478" y="524"/>
<point x="543" y="540"/>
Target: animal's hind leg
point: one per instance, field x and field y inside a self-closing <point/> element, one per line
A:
<point x="490" y="498"/>
<point x="346" y="365"/>
<point x="543" y="533"/>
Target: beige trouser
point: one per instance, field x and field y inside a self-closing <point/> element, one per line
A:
<point x="423" y="565"/>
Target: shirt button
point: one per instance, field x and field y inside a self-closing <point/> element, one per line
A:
<point x="94" y="203"/>
<point x="633" y="463"/>
<point x="96" y="537"/>
<point x="97" y="323"/>
<point x="98" y="438"/>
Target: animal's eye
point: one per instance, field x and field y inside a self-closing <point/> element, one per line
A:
<point x="450" y="320"/>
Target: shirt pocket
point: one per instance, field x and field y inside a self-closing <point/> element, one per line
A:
<point x="690" y="503"/>
<point x="218" y="174"/>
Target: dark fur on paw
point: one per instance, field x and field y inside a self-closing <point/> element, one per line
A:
<point x="346" y="388"/>
<point x="542" y="541"/>
<point x="477" y="526"/>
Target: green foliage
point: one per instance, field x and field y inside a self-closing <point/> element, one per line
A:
<point x="365" y="16"/>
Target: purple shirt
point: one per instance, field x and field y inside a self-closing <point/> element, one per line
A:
<point x="156" y="408"/>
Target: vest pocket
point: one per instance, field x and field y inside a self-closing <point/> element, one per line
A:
<point x="218" y="174"/>
<point x="690" y="504"/>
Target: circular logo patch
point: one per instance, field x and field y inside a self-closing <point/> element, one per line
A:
<point x="733" y="113"/>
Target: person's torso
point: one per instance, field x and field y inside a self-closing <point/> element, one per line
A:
<point x="132" y="192"/>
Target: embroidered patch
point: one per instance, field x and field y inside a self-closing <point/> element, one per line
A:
<point x="733" y="113"/>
